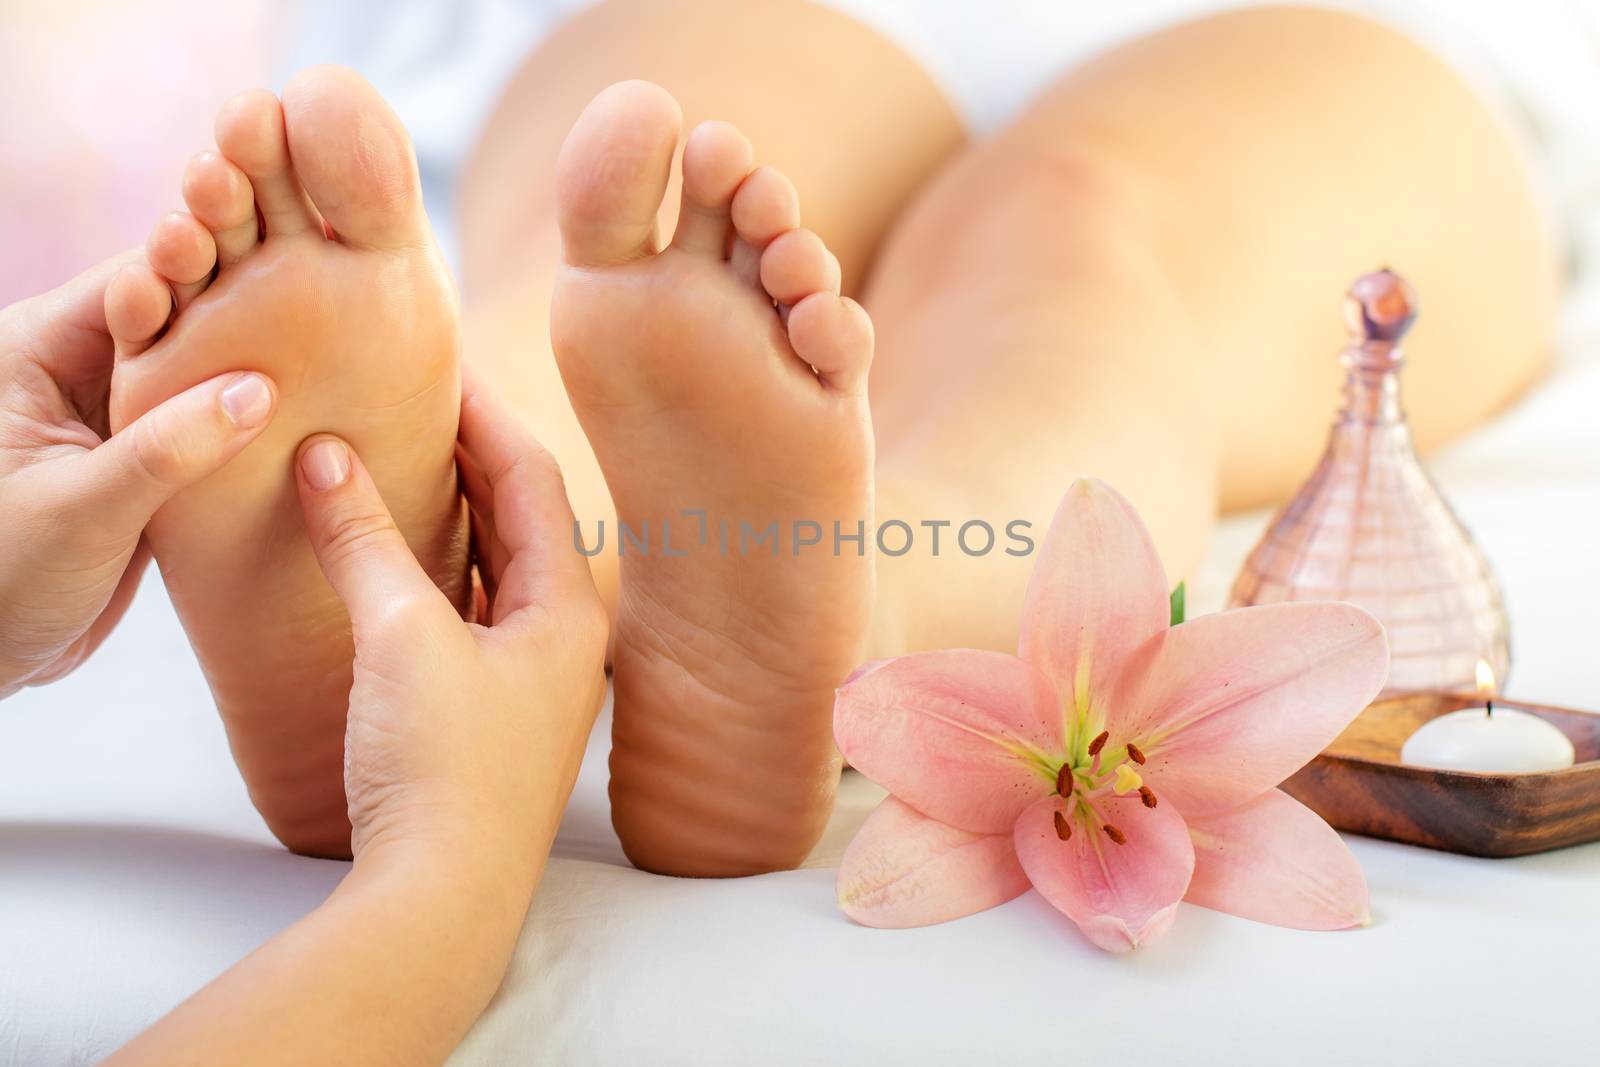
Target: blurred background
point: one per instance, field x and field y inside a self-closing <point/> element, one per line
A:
<point x="106" y="99"/>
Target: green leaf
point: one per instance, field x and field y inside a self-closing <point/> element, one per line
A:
<point x="1177" y="604"/>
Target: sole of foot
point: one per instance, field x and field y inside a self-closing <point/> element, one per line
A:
<point x="721" y="380"/>
<point x="306" y="255"/>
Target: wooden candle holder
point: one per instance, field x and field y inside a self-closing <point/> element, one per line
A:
<point x="1359" y="784"/>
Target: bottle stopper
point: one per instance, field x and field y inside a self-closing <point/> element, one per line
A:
<point x="1378" y="311"/>
<point x="1379" y="308"/>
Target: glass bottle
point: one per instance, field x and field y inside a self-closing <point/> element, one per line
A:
<point x="1371" y="527"/>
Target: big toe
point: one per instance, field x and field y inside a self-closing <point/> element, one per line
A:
<point x="612" y="173"/>
<point x="354" y="158"/>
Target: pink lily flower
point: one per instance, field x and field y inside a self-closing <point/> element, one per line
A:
<point x="1117" y="764"/>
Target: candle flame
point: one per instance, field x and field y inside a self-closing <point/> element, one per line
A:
<point x="1486" y="687"/>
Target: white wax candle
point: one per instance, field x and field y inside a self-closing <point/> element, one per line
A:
<point x="1505" y="742"/>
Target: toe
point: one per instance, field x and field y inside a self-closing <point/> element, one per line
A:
<point x="834" y="335"/>
<point x="138" y="304"/>
<point x="716" y="159"/>
<point x="355" y="159"/>
<point x="612" y="174"/>
<point x="797" y="264"/>
<point x="250" y="133"/>
<point x="182" y="252"/>
<point x="765" y="206"/>
<point x="219" y="195"/>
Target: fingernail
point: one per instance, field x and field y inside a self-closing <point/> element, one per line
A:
<point x="246" y="401"/>
<point x="326" y="464"/>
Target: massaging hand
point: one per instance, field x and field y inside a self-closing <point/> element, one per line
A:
<point x="73" y="501"/>
<point x="462" y="744"/>
<point x="461" y="733"/>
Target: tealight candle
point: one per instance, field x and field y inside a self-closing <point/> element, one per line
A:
<point x="1504" y="741"/>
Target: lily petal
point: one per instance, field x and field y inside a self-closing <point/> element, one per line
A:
<point x="1227" y="706"/>
<point x="1275" y="861"/>
<point x="1097" y="593"/>
<point x="1119" y="895"/>
<point x="961" y="735"/>
<point x="905" y="869"/>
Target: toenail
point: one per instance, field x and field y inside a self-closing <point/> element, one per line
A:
<point x="246" y="401"/>
<point x="326" y="464"/>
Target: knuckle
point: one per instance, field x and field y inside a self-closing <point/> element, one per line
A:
<point x="530" y="464"/>
<point x="159" y="453"/>
<point x="537" y="469"/>
<point x="353" y="535"/>
<point x="542" y="467"/>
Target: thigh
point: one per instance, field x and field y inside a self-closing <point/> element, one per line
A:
<point x="853" y="121"/>
<point x="1261" y="159"/>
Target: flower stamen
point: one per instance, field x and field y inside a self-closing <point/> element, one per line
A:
<point x="1134" y="753"/>
<point x="1100" y="742"/>
<point x="1116" y="835"/>
<point x="1064" y="780"/>
<point x="1148" y="796"/>
<point x="1063" y="827"/>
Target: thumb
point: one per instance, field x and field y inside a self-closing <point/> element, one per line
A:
<point x="357" y="544"/>
<point x="173" y="446"/>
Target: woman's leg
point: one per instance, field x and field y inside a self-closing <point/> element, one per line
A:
<point x="1140" y="280"/>
<point x="699" y="395"/>
<point x="854" y="122"/>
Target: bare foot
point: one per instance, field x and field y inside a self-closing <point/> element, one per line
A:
<point x="356" y="321"/>
<point x="722" y="373"/>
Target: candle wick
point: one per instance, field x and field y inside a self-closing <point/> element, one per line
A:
<point x="1488" y="707"/>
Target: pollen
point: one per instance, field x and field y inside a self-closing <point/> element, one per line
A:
<point x="1100" y="742"/>
<point x="1148" y="796"/>
<point x="1116" y="835"/>
<point x="1127" y="780"/>
<point x="1064" y="780"/>
<point x="1134" y="753"/>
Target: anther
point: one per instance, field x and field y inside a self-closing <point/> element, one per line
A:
<point x="1064" y="781"/>
<point x="1116" y="835"/>
<point x="1098" y="743"/>
<point x="1134" y="753"/>
<point x="1063" y="827"/>
<point x="1147" y="796"/>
